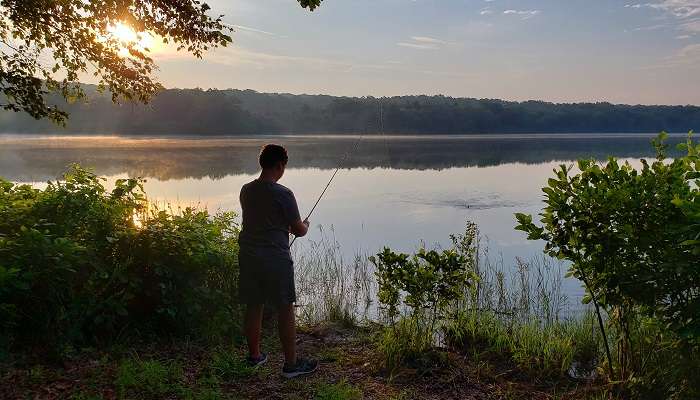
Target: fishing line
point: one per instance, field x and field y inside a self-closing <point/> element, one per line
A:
<point x="340" y="165"/>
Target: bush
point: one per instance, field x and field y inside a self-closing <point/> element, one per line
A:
<point x="629" y="236"/>
<point x="418" y="293"/>
<point x="78" y="264"/>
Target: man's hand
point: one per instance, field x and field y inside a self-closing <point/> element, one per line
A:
<point x="300" y="228"/>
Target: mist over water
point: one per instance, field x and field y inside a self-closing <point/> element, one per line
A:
<point x="398" y="191"/>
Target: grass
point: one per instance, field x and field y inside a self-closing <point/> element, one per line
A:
<point x="338" y="391"/>
<point x="542" y="351"/>
<point x="330" y="288"/>
<point x="230" y="365"/>
<point x="148" y="378"/>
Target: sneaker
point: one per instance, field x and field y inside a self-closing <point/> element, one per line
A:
<point x="256" y="362"/>
<point x="302" y="367"/>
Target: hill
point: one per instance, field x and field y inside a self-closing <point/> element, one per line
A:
<point x="247" y="112"/>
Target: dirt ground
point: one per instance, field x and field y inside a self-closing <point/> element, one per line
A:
<point x="346" y="355"/>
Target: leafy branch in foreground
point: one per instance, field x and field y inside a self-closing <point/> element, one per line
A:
<point x="46" y="45"/>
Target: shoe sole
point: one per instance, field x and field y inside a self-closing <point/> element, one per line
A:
<point x="259" y="363"/>
<point x="290" y="375"/>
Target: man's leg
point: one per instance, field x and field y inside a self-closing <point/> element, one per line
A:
<point x="287" y="332"/>
<point x="253" y="328"/>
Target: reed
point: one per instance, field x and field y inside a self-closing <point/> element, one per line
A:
<point x="330" y="288"/>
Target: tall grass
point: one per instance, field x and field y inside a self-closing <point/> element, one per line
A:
<point x="329" y="287"/>
<point x="522" y="315"/>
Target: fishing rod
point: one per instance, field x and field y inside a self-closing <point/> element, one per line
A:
<point x="340" y="165"/>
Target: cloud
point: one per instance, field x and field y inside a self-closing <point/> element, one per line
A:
<point x="486" y="11"/>
<point x="525" y="14"/>
<point x="685" y="12"/>
<point x="688" y="57"/>
<point x="249" y="29"/>
<point x="426" y="39"/>
<point x="679" y="8"/>
<point x="420" y="46"/>
<point x="237" y="56"/>
<point x="649" y="28"/>
<point x="689" y="54"/>
<point x="424" y="43"/>
<point x="691" y="26"/>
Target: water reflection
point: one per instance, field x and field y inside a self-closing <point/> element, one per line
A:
<point x="42" y="158"/>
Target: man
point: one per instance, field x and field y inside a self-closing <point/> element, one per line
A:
<point x="270" y="213"/>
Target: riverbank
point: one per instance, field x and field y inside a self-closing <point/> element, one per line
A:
<point x="349" y="369"/>
<point x="104" y="296"/>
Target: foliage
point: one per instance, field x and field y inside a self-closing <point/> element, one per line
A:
<point x="245" y="112"/>
<point x="422" y="290"/>
<point x="76" y="267"/>
<point x="541" y="350"/>
<point x="230" y="365"/>
<point x="331" y="289"/>
<point x="147" y="379"/>
<point x="517" y="314"/>
<point x="627" y="238"/>
<point x="338" y="391"/>
<point x="430" y="279"/>
<point x="77" y="36"/>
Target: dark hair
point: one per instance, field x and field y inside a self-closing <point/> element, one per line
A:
<point x="271" y="154"/>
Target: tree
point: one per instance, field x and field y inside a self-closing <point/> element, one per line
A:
<point x="45" y="45"/>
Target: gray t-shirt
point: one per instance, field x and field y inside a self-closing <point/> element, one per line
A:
<point x="268" y="211"/>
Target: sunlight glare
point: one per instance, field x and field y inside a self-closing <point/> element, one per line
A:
<point x="127" y="36"/>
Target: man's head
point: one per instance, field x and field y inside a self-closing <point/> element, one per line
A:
<point x="273" y="160"/>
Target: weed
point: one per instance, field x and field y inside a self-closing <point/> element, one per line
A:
<point x="85" y="396"/>
<point x="206" y="393"/>
<point x="329" y="355"/>
<point x="338" y="391"/>
<point x="150" y="378"/>
<point x="37" y="374"/>
<point x="329" y="288"/>
<point x="229" y="365"/>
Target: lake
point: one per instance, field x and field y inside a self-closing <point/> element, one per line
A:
<point x="396" y="191"/>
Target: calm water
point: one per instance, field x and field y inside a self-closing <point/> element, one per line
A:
<point x="395" y="191"/>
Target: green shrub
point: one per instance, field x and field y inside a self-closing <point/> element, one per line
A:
<point x="630" y="236"/>
<point x="75" y="265"/>
<point x="418" y="294"/>
<point x="338" y="391"/>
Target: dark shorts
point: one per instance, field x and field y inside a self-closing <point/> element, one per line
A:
<point x="266" y="280"/>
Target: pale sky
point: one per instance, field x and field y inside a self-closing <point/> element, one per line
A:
<point x="553" y="50"/>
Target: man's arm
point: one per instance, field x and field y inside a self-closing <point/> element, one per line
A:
<point x="299" y="228"/>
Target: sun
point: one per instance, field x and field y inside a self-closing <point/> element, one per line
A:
<point x="127" y="36"/>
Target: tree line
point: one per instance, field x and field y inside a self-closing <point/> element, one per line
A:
<point x="247" y="112"/>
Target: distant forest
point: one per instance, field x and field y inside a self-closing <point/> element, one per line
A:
<point x="247" y="112"/>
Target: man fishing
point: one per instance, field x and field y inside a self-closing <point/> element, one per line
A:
<point x="270" y="213"/>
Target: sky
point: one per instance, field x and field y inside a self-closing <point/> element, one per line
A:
<point x="552" y="50"/>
